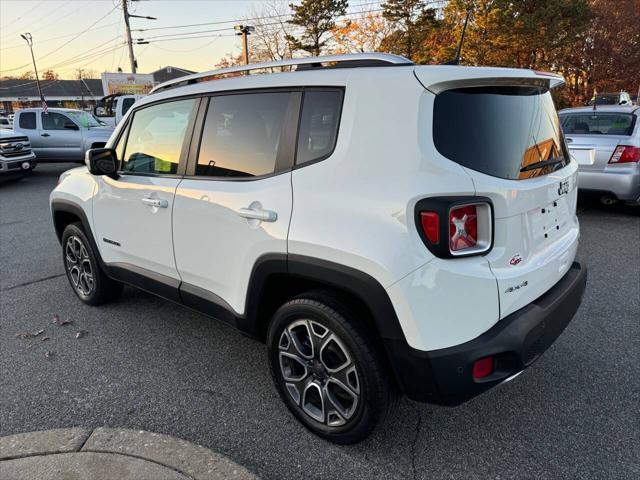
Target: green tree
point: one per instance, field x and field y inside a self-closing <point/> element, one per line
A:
<point x="315" y="18"/>
<point x="412" y="20"/>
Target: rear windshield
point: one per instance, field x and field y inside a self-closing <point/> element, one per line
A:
<point x="506" y="132"/>
<point x="591" y="123"/>
<point x="605" y="100"/>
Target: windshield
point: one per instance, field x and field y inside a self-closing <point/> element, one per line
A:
<point x="592" y="123"/>
<point x="84" y="119"/>
<point x="506" y="132"/>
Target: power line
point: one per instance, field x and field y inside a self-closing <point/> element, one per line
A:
<point x="64" y="44"/>
<point x="58" y="37"/>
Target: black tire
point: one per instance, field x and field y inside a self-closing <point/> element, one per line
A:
<point x="81" y="265"/>
<point x="370" y="389"/>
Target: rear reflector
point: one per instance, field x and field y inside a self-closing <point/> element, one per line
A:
<point x="463" y="227"/>
<point x="431" y="226"/>
<point x="483" y="368"/>
<point x="625" y="154"/>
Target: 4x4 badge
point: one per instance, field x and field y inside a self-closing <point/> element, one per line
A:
<point x="515" y="260"/>
<point x="564" y="187"/>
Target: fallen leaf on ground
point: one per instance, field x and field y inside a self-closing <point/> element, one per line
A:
<point x="29" y="334"/>
<point x="58" y="321"/>
<point x="44" y="339"/>
<point x="47" y="354"/>
<point x="81" y="333"/>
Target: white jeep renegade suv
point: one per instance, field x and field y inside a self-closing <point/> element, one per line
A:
<point x="385" y="227"/>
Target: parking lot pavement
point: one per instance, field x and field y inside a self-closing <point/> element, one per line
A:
<point x="144" y="363"/>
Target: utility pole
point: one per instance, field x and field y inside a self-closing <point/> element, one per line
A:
<point x="81" y="91"/>
<point x="132" y="59"/>
<point x="245" y="31"/>
<point x="29" y="39"/>
<point x="127" y="16"/>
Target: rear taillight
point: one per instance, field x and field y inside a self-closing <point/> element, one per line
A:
<point x="463" y="228"/>
<point x="455" y="226"/>
<point x="430" y="222"/>
<point x="625" y="154"/>
<point x="483" y="368"/>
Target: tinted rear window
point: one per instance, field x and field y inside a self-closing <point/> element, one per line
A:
<point x="590" y="123"/>
<point x="500" y="131"/>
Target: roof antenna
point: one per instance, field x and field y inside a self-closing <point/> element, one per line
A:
<point x="456" y="61"/>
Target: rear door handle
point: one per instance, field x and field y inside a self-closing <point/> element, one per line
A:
<point x="258" y="214"/>
<point x="155" y="202"/>
<point x="45" y="135"/>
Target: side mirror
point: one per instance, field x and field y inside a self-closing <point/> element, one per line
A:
<point x="102" y="161"/>
<point x="71" y="126"/>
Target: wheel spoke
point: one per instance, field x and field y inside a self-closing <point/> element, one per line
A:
<point x="333" y="354"/>
<point x="313" y="401"/>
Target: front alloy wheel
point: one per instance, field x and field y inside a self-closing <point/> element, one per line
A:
<point x="79" y="266"/>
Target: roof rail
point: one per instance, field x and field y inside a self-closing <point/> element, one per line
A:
<point x="307" y="63"/>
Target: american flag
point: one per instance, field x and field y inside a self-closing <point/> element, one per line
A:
<point x="45" y="109"/>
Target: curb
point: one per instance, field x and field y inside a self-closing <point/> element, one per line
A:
<point x="100" y="453"/>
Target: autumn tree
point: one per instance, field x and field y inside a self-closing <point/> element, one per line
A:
<point x="28" y="75"/>
<point x="49" y="75"/>
<point x="364" y="33"/>
<point x="315" y="18"/>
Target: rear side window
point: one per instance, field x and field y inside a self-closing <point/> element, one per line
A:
<point x="318" y="124"/>
<point x="242" y="134"/>
<point x="28" y="120"/>
<point x="506" y="132"/>
<point x="593" y="123"/>
<point x="156" y="136"/>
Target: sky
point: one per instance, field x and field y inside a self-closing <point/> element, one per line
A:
<point x="89" y="34"/>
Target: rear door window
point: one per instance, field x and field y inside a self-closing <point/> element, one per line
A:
<point x="28" y="120"/>
<point x="54" y="121"/>
<point x="505" y="132"/>
<point x="596" y="123"/>
<point x="243" y="134"/>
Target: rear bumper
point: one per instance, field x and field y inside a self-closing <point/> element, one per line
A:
<point x="444" y="376"/>
<point x="623" y="184"/>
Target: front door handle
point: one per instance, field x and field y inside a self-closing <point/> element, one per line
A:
<point x="258" y="214"/>
<point x="45" y="135"/>
<point x="155" y="202"/>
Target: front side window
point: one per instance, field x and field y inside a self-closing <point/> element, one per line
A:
<point x="318" y="124"/>
<point x="242" y="134"/>
<point x="156" y="136"/>
<point x="55" y="121"/>
<point x="595" y="123"/>
<point x="28" y="120"/>
<point x="505" y="132"/>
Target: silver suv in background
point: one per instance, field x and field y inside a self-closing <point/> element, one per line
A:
<point x="622" y="98"/>
<point x="605" y="142"/>
<point x="62" y="134"/>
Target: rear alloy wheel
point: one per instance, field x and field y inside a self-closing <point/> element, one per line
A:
<point x="326" y="370"/>
<point x="319" y="374"/>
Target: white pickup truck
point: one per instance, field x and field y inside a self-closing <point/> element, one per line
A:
<point x="62" y="134"/>
<point x="112" y="108"/>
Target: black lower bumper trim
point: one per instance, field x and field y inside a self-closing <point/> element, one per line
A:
<point x="445" y="376"/>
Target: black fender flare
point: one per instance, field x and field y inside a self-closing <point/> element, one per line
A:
<point x="357" y="283"/>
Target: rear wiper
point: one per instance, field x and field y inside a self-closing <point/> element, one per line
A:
<point x="543" y="163"/>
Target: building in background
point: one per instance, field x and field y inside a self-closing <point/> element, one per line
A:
<point x="82" y="94"/>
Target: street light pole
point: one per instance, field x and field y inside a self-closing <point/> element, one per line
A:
<point x="29" y="39"/>
<point x="245" y="31"/>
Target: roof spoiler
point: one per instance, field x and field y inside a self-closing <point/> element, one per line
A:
<point x="439" y="78"/>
